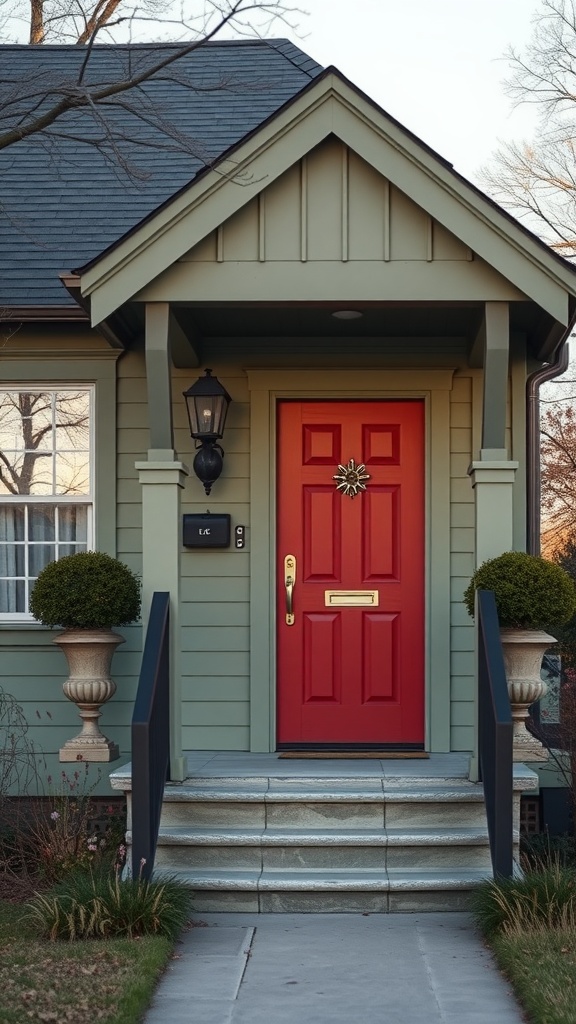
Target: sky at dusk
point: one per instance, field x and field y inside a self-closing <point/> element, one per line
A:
<point x="435" y="65"/>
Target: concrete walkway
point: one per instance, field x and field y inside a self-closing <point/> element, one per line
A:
<point x="332" y="969"/>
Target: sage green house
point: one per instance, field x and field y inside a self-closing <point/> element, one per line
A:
<point x="375" y="320"/>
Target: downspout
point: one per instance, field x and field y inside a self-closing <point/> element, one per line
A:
<point x="533" y="384"/>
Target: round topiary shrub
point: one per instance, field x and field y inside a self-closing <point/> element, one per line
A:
<point x="531" y="593"/>
<point x="89" y="590"/>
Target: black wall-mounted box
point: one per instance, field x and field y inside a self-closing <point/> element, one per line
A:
<point x="206" y="531"/>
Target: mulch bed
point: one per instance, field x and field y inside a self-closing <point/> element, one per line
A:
<point x="17" y="889"/>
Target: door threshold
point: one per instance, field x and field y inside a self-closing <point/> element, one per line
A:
<point x="381" y="755"/>
<point x="353" y="747"/>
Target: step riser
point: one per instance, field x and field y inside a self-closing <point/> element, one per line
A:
<point x="214" y="901"/>
<point x="435" y="815"/>
<point x="317" y="858"/>
<point x="328" y="815"/>
<point x="211" y="814"/>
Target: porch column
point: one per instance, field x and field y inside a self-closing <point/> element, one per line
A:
<point x="162" y="478"/>
<point x="493" y="473"/>
<point x="493" y="483"/>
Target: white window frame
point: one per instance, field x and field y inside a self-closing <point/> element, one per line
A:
<point x="26" y="500"/>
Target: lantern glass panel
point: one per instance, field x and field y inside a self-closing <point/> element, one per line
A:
<point x="207" y="414"/>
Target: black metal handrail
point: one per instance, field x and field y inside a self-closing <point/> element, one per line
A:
<point x="151" y="738"/>
<point x="495" y="735"/>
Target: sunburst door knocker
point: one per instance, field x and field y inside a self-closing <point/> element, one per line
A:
<point x="351" y="478"/>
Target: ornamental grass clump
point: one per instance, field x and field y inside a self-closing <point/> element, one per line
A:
<point x="530" y="592"/>
<point x="88" y="590"/>
<point x="98" y="906"/>
<point x="543" y="899"/>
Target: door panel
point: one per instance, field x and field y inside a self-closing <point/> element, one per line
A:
<point x="351" y="674"/>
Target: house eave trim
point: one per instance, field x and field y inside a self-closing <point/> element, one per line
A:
<point x="323" y="109"/>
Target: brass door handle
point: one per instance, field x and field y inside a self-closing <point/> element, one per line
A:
<point x="289" y="581"/>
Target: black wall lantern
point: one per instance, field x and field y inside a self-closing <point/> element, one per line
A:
<point x="207" y="404"/>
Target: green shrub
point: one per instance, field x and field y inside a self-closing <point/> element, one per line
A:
<point x="544" y="898"/>
<point x="531" y="593"/>
<point x="89" y="590"/>
<point x="97" y="906"/>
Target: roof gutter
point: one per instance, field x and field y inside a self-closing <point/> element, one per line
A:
<point x="533" y="384"/>
<point x="31" y="314"/>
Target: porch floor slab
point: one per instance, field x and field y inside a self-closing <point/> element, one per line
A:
<point x="264" y="772"/>
<point x="236" y="764"/>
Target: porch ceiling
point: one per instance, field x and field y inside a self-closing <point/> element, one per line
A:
<point x="391" y="320"/>
<point x="316" y="321"/>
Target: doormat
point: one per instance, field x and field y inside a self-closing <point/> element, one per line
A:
<point x="353" y="755"/>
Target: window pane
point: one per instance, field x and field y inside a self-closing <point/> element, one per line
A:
<point x="73" y="473"/>
<point x="73" y="523"/>
<point x="72" y="420"/>
<point x="38" y="556"/>
<point x="69" y="549"/>
<point x="25" y="421"/>
<point x="11" y="522"/>
<point x="27" y="473"/>
<point x="36" y="415"/>
<point x="41" y="522"/>
<point x="10" y="421"/>
<point x="12" y="596"/>
<point x="12" y="560"/>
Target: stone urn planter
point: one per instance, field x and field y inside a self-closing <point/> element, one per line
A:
<point x="523" y="651"/>
<point x="87" y="593"/>
<point x="532" y="596"/>
<point x="89" y="656"/>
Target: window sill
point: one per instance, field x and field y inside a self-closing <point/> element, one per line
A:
<point x="35" y="627"/>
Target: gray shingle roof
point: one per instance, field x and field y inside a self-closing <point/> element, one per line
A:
<point x="63" y="201"/>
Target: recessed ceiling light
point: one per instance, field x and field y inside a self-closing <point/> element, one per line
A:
<point x="347" y="314"/>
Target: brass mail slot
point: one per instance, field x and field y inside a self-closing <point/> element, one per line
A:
<point x="350" y="598"/>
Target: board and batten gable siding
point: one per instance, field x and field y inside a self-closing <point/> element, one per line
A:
<point x="331" y="205"/>
<point x="331" y="209"/>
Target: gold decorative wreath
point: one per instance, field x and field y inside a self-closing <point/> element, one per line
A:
<point x="351" y="478"/>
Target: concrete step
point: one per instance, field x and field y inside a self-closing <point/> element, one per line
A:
<point x="295" y="849"/>
<point x="343" y="840"/>
<point x="313" y="803"/>
<point x="341" y="844"/>
<point x="324" y="891"/>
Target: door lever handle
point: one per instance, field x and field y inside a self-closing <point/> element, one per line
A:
<point x="289" y="581"/>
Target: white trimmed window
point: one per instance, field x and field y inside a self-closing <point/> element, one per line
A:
<point x="46" y="485"/>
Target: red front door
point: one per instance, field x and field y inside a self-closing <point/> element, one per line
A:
<point x="351" y="661"/>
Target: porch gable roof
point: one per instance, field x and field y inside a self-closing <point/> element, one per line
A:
<point x="330" y="105"/>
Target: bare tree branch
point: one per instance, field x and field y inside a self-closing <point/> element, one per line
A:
<point x="31" y="108"/>
<point x="536" y="179"/>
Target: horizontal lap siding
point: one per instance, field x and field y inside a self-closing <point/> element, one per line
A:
<point x="461" y="565"/>
<point x="215" y="584"/>
<point x="215" y="612"/>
